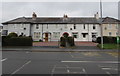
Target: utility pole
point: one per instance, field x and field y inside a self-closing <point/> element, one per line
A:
<point x="101" y="24"/>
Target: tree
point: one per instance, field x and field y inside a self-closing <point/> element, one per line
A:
<point x="13" y="34"/>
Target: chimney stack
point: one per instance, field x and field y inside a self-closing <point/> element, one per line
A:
<point x="65" y="16"/>
<point x="96" y="15"/>
<point x="34" y="16"/>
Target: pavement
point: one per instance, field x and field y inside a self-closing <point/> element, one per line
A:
<point x="56" y="43"/>
<point x="54" y="48"/>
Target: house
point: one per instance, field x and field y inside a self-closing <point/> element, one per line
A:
<point x="52" y="28"/>
<point x="110" y="27"/>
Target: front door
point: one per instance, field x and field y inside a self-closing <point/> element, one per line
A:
<point x="85" y="37"/>
<point x="46" y="37"/>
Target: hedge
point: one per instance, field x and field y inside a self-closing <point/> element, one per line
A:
<point x="16" y="41"/>
<point x="107" y="39"/>
<point x="62" y="42"/>
<point x="69" y="40"/>
<point x="12" y="34"/>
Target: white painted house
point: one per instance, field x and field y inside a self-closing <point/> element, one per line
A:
<point x="52" y="28"/>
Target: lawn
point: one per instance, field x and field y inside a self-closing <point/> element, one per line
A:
<point x="109" y="46"/>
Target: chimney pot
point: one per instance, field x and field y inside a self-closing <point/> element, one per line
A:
<point x="34" y="16"/>
<point x="96" y="15"/>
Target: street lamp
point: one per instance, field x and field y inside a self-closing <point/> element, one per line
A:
<point x="101" y="24"/>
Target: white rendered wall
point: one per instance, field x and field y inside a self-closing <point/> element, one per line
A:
<point x="19" y="28"/>
<point x="61" y="28"/>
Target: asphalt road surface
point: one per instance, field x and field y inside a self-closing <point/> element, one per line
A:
<point x="55" y="63"/>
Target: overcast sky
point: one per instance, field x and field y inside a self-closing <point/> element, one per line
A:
<point x="12" y="10"/>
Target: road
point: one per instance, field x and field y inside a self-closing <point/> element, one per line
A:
<point x="55" y="63"/>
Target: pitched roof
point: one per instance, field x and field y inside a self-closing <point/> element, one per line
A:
<point x="110" y="20"/>
<point x="61" y="20"/>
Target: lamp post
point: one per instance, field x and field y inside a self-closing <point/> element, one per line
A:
<point x="101" y="24"/>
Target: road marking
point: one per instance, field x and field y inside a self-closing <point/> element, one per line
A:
<point x="71" y="55"/>
<point x="53" y="69"/>
<point x="68" y="71"/>
<point x="4" y="59"/>
<point x="90" y="62"/>
<point x="27" y="52"/>
<point x="109" y="73"/>
<point x="21" y="67"/>
<point x="74" y="56"/>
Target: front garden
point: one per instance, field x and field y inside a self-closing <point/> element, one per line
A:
<point x="109" y="42"/>
<point x="14" y="40"/>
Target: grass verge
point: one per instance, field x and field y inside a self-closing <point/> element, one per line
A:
<point x="109" y="46"/>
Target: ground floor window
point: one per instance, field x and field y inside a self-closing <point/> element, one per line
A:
<point x="75" y="34"/>
<point x="36" y="35"/>
<point x="94" y="36"/>
<point x="56" y="34"/>
<point x="110" y="33"/>
<point x="84" y="35"/>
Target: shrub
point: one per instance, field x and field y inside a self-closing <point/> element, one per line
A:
<point x="17" y="41"/>
<point x="107" y="39"/>
<point x="13" y="34"/>
<point x="4" y="40"/>
<point x="71" y="41"/>
<point x="62" y="42"/>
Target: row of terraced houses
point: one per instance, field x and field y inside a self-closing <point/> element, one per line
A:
<point x="52" y="28"/>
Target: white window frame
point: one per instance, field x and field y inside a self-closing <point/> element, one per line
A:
<point x="56" y="35"/>
<point x="110" y="26"/>
<point x="110" y="33"/>
<point x="37" y="35"/>
<point x="75" y="33"/>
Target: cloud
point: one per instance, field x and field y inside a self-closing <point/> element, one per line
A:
<point x="13" y="10"/>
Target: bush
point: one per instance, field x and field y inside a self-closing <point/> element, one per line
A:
<point x="62" y="42"/>
<point x="13" y="34"/>
<point x="17" y="41"/>
<point x="107" y="39"/>
<point x="4" y="38"/>
<point x="71" y="41"/>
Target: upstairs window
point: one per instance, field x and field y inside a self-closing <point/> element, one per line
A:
<point x="94" y="27"/>
<point x="84" y="26"/>
<point x="116" y="26"/>
<point x="74" y="26"/>
<point x="37" y="26"/>
<point x="47" y="26"/>
<point x="24" y="28"/>
<point x="110" y="26"/>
